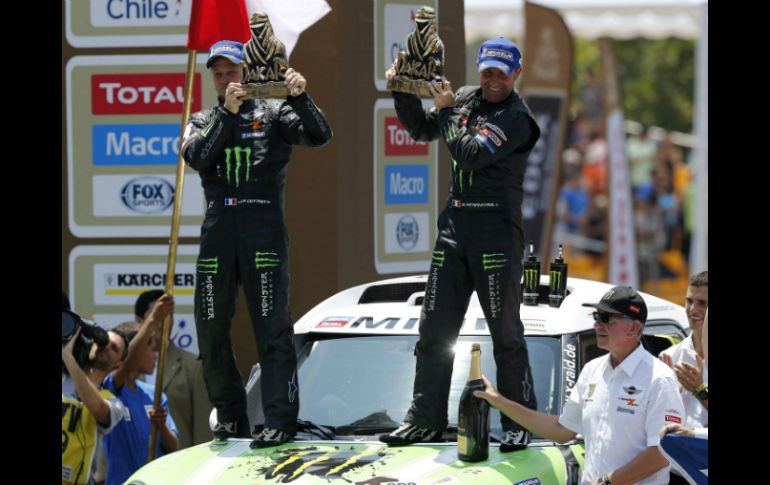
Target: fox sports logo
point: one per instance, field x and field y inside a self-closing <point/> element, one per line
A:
<point x="147" y="195"/>
<point x="407" y="232"/>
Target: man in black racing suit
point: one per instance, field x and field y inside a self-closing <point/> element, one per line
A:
<point x="490" y="132"/>
<point x="241" y="149"/>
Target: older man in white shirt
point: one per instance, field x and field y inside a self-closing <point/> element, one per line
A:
<point x="619" y="403"/>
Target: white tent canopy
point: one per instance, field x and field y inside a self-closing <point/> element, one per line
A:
<point x="619" y="19"/>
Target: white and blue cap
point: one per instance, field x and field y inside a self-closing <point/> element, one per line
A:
<point x="229" y="49"/>
<point x="500" y="53"/>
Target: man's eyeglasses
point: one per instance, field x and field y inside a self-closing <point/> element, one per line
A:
<point x="605" y="317"/>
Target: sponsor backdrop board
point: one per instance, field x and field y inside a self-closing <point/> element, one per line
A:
<point x="126" y="23"/>
<point x="405" y="194"/>
<point x="393" y="21"/>
<point x="106" y="280"/>
<point x="123" y="129"/>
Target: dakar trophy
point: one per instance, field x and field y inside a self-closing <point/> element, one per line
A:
<point x="422" y="62"/>
<point x="264" y="62"/>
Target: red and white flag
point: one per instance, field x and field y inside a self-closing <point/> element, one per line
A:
<point x="215" y="20"/>
<point x="289" y="17"/>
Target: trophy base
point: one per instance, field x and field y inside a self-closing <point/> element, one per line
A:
<point x="412" y="86"/>
<point x="271" y="89"/>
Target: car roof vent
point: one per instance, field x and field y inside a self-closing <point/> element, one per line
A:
<point x="397" y="292"/>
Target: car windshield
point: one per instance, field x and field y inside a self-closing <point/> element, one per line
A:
<point x="365" y="383"/>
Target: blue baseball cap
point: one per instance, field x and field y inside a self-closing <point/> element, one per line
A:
<point x="500" y="53"/>
<point x="231" y="50"/>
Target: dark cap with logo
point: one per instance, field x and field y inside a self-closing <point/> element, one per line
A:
<point x="229" y="49"/>
<point x="624" y="300"/>
<point x="500" y="53"/>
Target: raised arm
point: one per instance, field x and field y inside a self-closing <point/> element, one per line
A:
<point x="206" y="135"/>
<point x="302" y="123"/>
<point x="163" y="307"/>
<point x="500" y="135"/>
<point x="87" y="391"/>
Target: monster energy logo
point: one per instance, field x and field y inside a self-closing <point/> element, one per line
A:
<point x="459" y="173"/>
<point x="530" y="278"/>
<point x="555" y="281"/>
<point x="609" y="294"/>
<point x="438" y="258"/>
<point x="208" y="265"/>
<point x="266" y="260"/>
<point x="493" y="260"/>
<point x="208" y="128"/>
<point x="449" y="133"/>
<point x="228" y="162"/>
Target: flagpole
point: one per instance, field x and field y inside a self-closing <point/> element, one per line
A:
<point x="173" y="243"/>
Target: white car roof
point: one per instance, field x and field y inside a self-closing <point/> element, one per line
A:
<point x="384" y="313"/>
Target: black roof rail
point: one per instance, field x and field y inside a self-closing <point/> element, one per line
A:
<point x="393" y="292"/>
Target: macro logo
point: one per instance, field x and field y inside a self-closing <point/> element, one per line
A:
<point x="146" y="94"/>
<point x="399" y="142"/>
<point x="151" y="144"/>
<point x="147" y="195"/>
<point x="406" y="184"/>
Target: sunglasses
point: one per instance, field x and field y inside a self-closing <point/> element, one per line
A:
<point x="605" y="317"/>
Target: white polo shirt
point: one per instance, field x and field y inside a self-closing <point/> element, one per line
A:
<point x="620" y="411"/>
<point x="697" y="415"/>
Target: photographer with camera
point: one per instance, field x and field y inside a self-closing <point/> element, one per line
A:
<point x="88" y="411"/>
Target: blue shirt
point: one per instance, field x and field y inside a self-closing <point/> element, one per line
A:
<point x="126" y="447"/>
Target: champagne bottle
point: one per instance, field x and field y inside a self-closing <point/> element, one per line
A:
<point x="473" y="416"/>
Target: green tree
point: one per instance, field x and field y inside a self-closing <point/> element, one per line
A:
<point x="656" y="78"/>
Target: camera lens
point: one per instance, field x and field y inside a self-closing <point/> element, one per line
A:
<point x="69" y="323"/>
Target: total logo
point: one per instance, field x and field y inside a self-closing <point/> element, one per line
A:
<point x="398" y="141"/>
<point x="147" y="195"/>
<point x="126" y="94"/>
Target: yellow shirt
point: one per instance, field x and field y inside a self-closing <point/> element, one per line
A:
<point x="80" y="433"/>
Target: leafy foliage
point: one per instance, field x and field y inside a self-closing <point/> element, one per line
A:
<point x="657" y="78"/>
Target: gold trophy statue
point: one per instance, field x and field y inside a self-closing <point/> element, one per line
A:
<point x="422" y="62"/>
<point x="264" y="63"/>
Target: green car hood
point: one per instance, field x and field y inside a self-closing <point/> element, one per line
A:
<point x="355" y="462"/>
